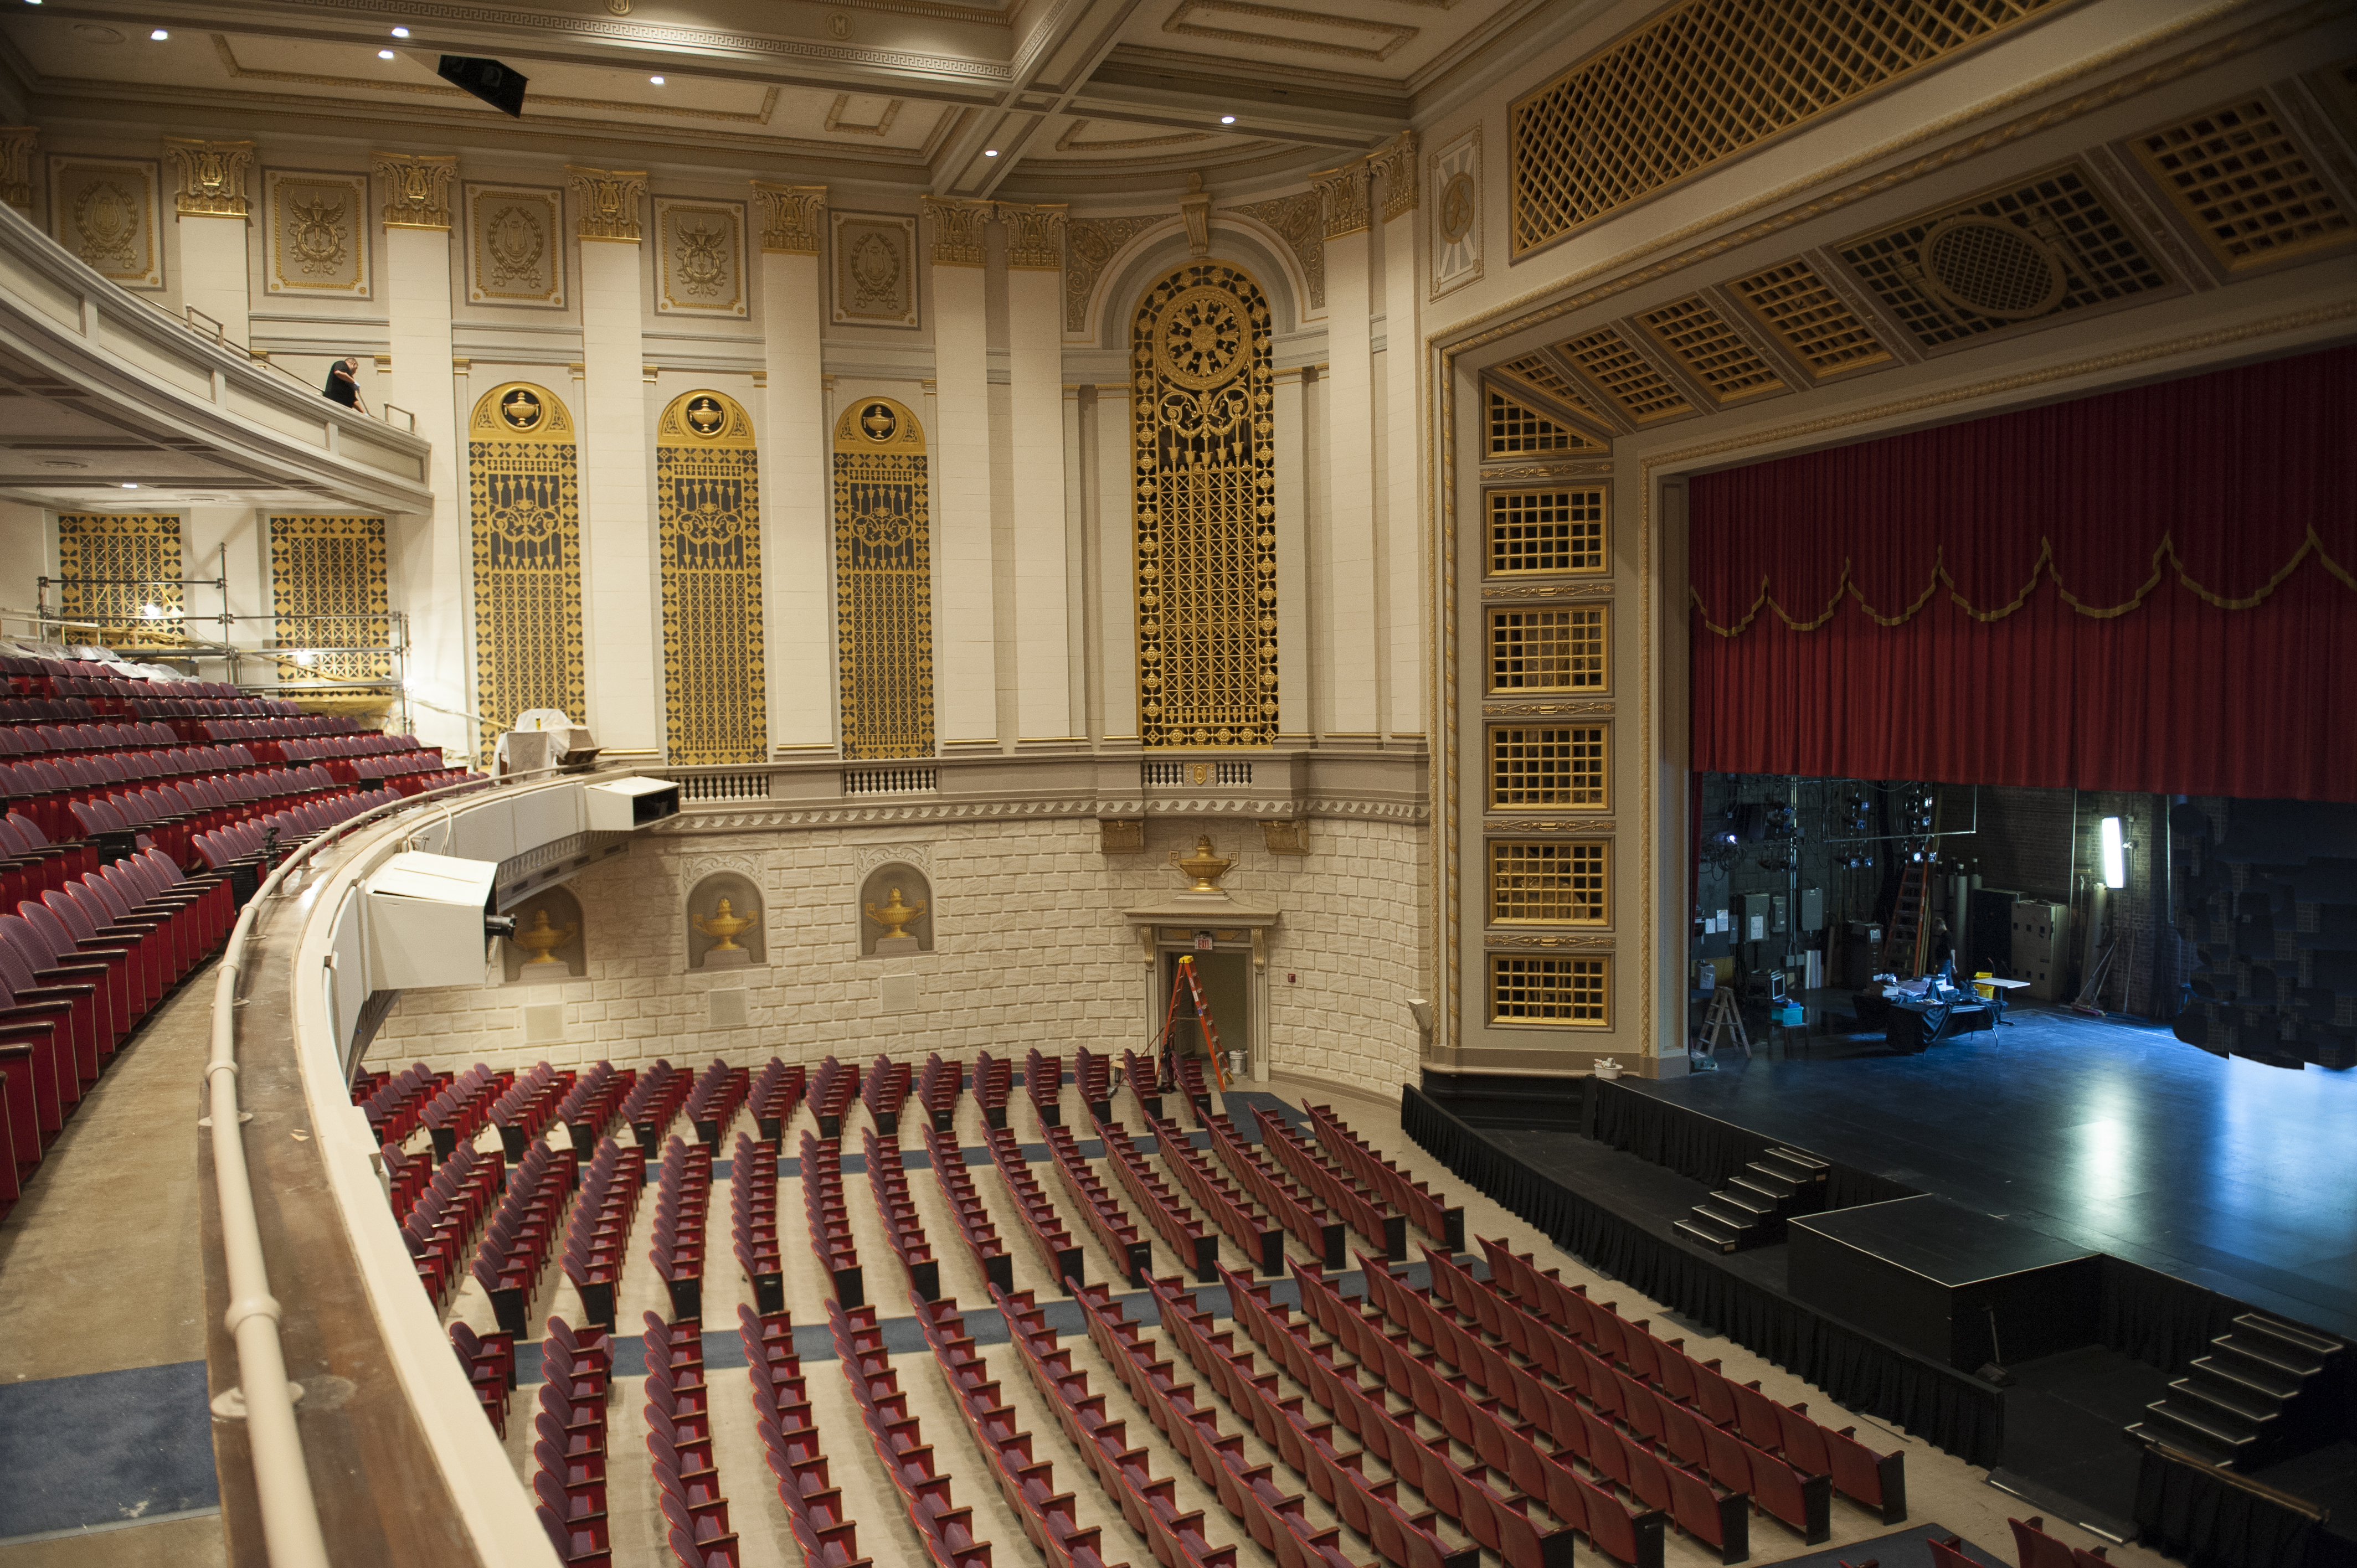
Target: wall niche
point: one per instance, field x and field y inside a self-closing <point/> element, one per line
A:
<point x="552" y="939"/>
<point x="878" y="913"/>
<point x="726" y="923"/>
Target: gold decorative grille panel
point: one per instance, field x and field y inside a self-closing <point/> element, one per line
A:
<point x="1549" y="882"/>
<point x="1550" y="989"/>
<point x="883" y="582"/>
<point x="1206" y="510"/>
<point x="1793" y="302"/>
<point x="2246" y="187"/>
<point x="121" y="573"/>
<point x="708" y="518"/>
<point x="328" y="590"/>
<point x="2041" y="248"/>
<point x="1515" y="429"/>
<point x="1539" y="372"/>
<point x="1626" y="376"/>
<point x="523" y="492"/>
<point x="1547" y="531"/>
<point x="1551" y="649"/>
<point x="1707" y="79"/>
<point x="1538" y="767"/>
<point x="1699" y="338"/>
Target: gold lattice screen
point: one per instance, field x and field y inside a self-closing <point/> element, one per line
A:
<point x="1206" y="510"/>
<point x="328" y="592"/>
<point x="525" y="496"/>
<point x="1708" y="79"/>
<point x="708" y="512"/>
<point x="883" y="581"/>
<point x="121" y="573"/>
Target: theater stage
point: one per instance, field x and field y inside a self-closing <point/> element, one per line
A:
<point x="2238" y="1178"/>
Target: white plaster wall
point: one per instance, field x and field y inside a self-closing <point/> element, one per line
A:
<point x="1030" y="950"/>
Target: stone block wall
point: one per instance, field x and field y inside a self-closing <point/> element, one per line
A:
<point x="1030" y="950"/>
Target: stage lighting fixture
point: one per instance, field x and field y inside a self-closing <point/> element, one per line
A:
<point x="2115" y="859"/>
<point x="499" y="86"/>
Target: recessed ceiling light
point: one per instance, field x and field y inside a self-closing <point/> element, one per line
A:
<point x="129" y="486"/>
<point x="401" y="32"/>
<point x="384" y="54"/>
<point x="990" y="151"/>
<point x="1227" y="119"/>
<point x="159" y="35"/>
<point x="656" y="80"/>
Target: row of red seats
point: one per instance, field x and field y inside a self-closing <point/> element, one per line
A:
<point x="524" y="1231"/>
<point x="396" y="1106"/>
<point x="887" y="1182"/>
<point x="1649" y="1366"/>
<point x="1100" y="1211"/>
<point x="1227" y="1208"/>
<point x="712" y="1103"/>
<point x="588" y="1107"/>
<point x="753" y="1204"/>
<point x="829" y="1219"/>
<point x="938" y="1088"/>
<point x="463" y="1108"/>
<point x="1293" y="1209"/>
<point x="47" y="790"/>
<point x="654" y="1101"/>
<point x="974" y="1223"/>
<point x="31" y="865"/>
<point x="1092" y="1076"/>
<point x="176" y="817"/>
<point x="831" y="1090"/>
<point x="1308" y="1446"/>
<point x="1190" y="1080"/>
<point x="1247" y="1491"/>
<point x="282" y="721"/>
<point x="679" y="1447"/>
<point x="1367" y="1212"/>
<point x="683" y="1204"/>
<point x="440" y="1230"/>
<point x="330" y="747"/>
<point x="1177" y="1539"/>
<point x="489" y="1360"/>
<point x="2033" y="1548"/>
<point x="600" y="1226"/>
<point x="568" y="1477"/>
<point x="883" y="1090"/>
<point x="992" y="1081"/>
<point x="946" y="1530"/>
<point x="1041" y="1221"/>
<point x="821" y="1526"/>
<point x="28" y="737"/>
<point x="526" y="1108"/>
<point x="246" y="842"/>
<point x="1461" y="1492"/>
<point x="67" y="986"/>
<point x="1196" y="1247"/>
<point x="1426" y="1210"/>
<point x="1043" y="1081"/>
<point x="776" y="1095"/>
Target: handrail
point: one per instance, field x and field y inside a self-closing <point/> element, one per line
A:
<point x="282" y="1477"/>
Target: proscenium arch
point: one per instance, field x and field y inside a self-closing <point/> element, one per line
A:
<point x="1204" y="431"/>
<point x="708" y="524"/>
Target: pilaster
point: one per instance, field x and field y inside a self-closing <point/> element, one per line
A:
<point x="796" y="486"/>
<point x="965" y="644"/>
<point x="209" y="182"/>
<point x="1117" y="561"/>
<point x="1035" y="367"/>
<point x="1295" y="633"/>
<point x="1403" y="438"/>
<point x="17" y="146"/>
<point x="1347" y="580"/>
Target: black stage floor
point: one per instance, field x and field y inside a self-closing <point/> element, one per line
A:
<point x="2239" y="1177"/>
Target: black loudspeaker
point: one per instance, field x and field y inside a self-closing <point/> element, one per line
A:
<point x="499" y="86"/>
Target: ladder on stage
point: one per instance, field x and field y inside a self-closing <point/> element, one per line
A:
<point x="1902" y="943"/>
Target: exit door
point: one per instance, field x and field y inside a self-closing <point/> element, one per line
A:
<point x="1227" y="989"/>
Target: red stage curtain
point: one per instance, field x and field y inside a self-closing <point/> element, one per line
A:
<point x="2150" y="590"/>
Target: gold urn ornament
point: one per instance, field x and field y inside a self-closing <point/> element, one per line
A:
<point x="1205" y="865"/>
<point x="725" y="927"/>
<point x="895" y="916"/>
<point x="541" y="939"/>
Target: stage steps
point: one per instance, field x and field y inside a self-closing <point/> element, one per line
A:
<point x="2267" y="1391"/>
<point x="1749" y="1211"/>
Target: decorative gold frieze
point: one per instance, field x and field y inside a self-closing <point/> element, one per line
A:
<point x="1088" y="244"/>
<point x="708" y="519"/>
<point x="607" y="203"/>
<point x="1035" y="235"/>
<point x="1341" y="200"/>
<point x="1396" y="165"/>
<point x="883" y="581"/>
<point x="210" y="177"/>
<point x="791" y="216"/>
<point x="958" y="239"/>
<point x="1299" y="219"/>
<point x="1201" y="408"/>
<point x="416" y="188"/>
<point x="16" y="143"/>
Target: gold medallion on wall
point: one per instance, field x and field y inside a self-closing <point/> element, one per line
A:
<point x="708" y="513"/>
<point x="1206" y="510"/>
<point x="525" y="499"/>
<point x="883" y="581"/>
